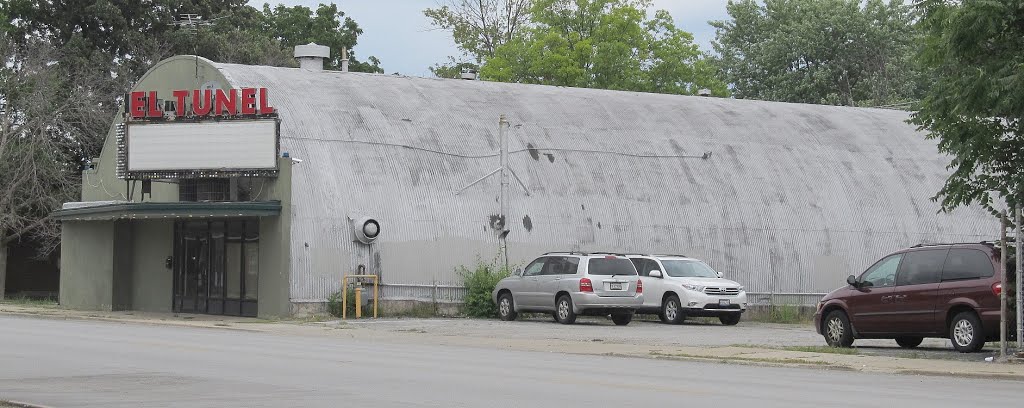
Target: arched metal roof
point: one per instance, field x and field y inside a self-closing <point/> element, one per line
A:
<point x="793" y="198"/>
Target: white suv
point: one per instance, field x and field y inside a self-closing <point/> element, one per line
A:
<point x="677" y="286"/>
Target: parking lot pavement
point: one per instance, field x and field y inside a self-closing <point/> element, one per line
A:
<point x="692" y="333"/>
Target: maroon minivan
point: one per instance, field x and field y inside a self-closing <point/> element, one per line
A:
<point x="943" y="290"/>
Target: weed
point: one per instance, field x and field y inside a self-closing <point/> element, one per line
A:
<point x="479" y="284"/>
<point x="22" y="300"/>
<point x="335" y="303"/>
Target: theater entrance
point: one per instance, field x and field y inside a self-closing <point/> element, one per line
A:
<point x="216" y="266"/>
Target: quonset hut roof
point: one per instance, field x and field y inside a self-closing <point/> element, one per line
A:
<point x="793" y="198"/>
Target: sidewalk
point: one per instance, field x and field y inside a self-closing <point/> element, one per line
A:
<point x="381" y="331"/>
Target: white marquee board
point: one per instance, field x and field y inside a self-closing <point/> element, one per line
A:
<point x="225" y="145"/>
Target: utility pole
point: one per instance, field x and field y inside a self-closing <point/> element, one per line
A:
<point x="1002" y="293"/>
<point x="1020" y="277"/>
<point x="503" y="171"/>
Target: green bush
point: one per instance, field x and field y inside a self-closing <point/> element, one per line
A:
<point x="334" y="303"/>
<point x="479" y="284"/>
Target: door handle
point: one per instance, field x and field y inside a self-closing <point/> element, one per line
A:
<point x="558" y="278"/>
<point x="900" y="298"/>
<point x="886" y="299"/>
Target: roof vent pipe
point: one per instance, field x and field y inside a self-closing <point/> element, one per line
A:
<point x="311" y="56"/>
<point x="344" y="59"/>
<point x="704" y="92"/>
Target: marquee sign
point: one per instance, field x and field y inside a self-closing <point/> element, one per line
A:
<point x="202" y="103"/>
<point x="198" y="133"/>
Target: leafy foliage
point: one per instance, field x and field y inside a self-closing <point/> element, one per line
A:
<point x="453" y="70"/>
<point x="479" y="27"/>
<point x="480" y="283"/>
<point x="840" y="52"/>
<point x="977" y="51"/>
<point x="335" y="303"/>
<point x="608" y="44"/>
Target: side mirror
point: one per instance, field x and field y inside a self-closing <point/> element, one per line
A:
<point x="519" y="271"/>
<point x="852" y="281"/>
<point x="655" y="274"/>
<point x="720" y="274"/>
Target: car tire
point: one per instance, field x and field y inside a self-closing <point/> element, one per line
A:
<point x="909" y="342"/>
<point x="506" y="307"/>
<point x="731" y="319"/>
<point x="965" y="333"/>
<point x="672" y="310"/>
<point x="563" y="310"/>
<point x="622" y="319"/>
<point x="837" y="329"/>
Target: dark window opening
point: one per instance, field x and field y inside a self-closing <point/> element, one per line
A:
<point x="214" y="189"/>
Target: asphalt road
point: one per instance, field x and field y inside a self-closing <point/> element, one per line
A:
<point x="68" y="363"/>
<point x="694" y="332"/>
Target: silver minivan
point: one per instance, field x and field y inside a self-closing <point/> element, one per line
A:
<point x="568" y="284"/>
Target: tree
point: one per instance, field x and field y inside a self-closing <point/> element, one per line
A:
<point x="478" y="27"/>
<point x="608" y="44"/>
<point x="840" y="52"/>
<point x="52" y="118"/>
<point x="326" y="26"/>
<point x="453" y="69"/>
<point x="975" y="108"/>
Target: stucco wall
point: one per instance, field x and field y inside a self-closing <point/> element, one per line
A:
<point x="275" y="240"/>
<point x="152" y="280"/>
<point x="87" y="265"/>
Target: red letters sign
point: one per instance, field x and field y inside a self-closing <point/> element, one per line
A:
<point x="204" y="103"/>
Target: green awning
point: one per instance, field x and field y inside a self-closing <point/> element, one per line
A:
<point x="125" y="210"/>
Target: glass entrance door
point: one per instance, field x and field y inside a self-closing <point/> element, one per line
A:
<point x="216" y="267"/>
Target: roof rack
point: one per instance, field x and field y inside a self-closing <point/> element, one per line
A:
<point x="989" y="243"/>
<point x="566" y="252"/>
<point x="672" y="255"/>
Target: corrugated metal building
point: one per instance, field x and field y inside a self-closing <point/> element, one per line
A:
<point x="792" y="198"/>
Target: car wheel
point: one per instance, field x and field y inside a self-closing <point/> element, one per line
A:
<point x="671" y="311"/>
<point x="563" y="310"/>
<point x="622" y="319"/>
<point x="730" y="319"/>
<point x="909" y="342"/>
<point x="837" y="329"/>
<point x="965" y="333"/>
<point x="506" y="308"/>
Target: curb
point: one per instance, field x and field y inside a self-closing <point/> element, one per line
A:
<point x="125" y="321"/>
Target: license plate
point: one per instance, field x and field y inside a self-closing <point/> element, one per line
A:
<point x="724" y="302"/>
<point x="615" y="286"/>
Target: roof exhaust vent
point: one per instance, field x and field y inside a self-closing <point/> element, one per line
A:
<point x="311" y="56"/>
<point x="704" y="92"/>
<point x="469" y="74"/>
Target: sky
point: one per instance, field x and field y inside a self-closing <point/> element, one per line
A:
<point x="397" y="32"/>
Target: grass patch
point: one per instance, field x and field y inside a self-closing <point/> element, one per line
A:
<point x="21" y="300"/>
<point x="783" y="314"/>
<point x="822" y="349"/>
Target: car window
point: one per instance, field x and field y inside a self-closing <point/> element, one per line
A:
<point x="534" y="268"/>
<point x="610" y="266"/>
<point x="561" y="265"/>
<point x="678" y="268"/>
<point x="882" y="273"/>
<point x="644" y="266"/>
<point x="967" y="264"/>
<point x="921" y="267"/>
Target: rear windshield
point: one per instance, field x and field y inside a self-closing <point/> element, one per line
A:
<point x="610" y="266"/>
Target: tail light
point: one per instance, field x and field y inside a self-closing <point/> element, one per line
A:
<point x="997" y="288"/>
<point x="639" y="286"/>
<point x="586" y="285"/>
